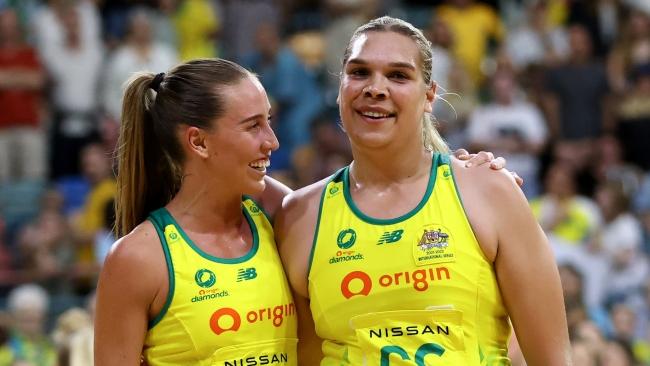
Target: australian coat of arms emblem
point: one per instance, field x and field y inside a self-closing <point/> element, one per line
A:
<point x="433" y="239"/>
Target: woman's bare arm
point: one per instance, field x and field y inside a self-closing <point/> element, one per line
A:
<point x="526" y="271"/>
<point x="294" y="231"/>
<point x="133" y="280"/>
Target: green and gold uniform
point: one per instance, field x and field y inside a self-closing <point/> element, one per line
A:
<point x="414" y="290"/>
<point x="223" y="312"/>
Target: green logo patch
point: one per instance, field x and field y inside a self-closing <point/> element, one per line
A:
<point x="205" y="278"/>
<point x="346" y="238"/>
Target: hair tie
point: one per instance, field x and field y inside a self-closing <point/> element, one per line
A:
<point x="157" y="80"/>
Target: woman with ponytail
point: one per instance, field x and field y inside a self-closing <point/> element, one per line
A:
<point x="195" y="278"/>
<point x="400" y="270"/>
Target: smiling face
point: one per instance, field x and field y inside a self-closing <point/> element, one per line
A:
<point x="240" y="145"/>
<point x="383" y="95"/>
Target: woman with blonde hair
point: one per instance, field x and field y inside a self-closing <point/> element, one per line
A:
<point x="415" y="259"/>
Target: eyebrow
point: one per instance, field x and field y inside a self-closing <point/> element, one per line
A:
<point x="405" y="65"/>
<point x="253" y="118"/>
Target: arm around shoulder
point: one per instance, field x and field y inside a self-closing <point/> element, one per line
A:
<point x="295" y="226"/>
<point x="271" y="198"/>
<point x="294" y="229"/>
<point x="128" y="284"/>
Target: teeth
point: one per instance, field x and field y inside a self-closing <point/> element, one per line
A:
<point x="375" y="114"/>
<point x="260" y="164"/>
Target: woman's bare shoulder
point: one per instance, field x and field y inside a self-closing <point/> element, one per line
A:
<point x="485" y="194"/>
<point x="271" y="198"/>
<point x="484" y="180"/>
<point x="137" y="255"/>
<point x="306" y="195"/>
<point x="139" y="242"/>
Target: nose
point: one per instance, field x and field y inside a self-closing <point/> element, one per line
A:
<point x="375" y="89"/>
<point x="270" y="140"/>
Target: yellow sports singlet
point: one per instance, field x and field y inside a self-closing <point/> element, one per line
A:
<point x="415" y="290"/>
<point x="223" y="312"/>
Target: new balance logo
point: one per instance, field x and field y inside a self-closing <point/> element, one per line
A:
<point x="390" y="237"/>
<point x="246" y="274"/>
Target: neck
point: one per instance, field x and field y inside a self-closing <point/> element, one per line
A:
<point x="371" y="168"/>
<point x="202" y="206"/>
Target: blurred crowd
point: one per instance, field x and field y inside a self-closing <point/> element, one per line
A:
<point x="560" y="88"/>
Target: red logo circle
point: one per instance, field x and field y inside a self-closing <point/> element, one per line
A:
<point x="345" y="284"/>
<point x="217" y="315"/>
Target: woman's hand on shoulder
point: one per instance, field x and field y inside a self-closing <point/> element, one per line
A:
<point x="485" y="157"/>
<point x="478" y="186"/>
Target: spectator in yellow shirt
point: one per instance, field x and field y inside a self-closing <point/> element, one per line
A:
<point x="197" y="26"/>
<point x="86" y="223"/>
<point x="473" y="26"/>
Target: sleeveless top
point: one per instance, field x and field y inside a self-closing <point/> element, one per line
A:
<point x="223" y="311"/>
<point x="414" y="290"/>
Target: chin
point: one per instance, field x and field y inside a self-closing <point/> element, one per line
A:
<point x="371" y="139"/>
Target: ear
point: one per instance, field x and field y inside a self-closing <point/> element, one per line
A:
<point x="431" y="97"/>
<point x="196" y="141"/>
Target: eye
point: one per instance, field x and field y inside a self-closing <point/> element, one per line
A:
<point x="358" y="71"/>
<point x="254" y="125"/>
<point x="399" y="75"/>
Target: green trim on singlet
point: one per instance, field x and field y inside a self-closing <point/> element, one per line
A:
<point x="158" y="221"/>
<point x="213" y="258"/>
<point x="446" y="159"/>
<point x="335" y="177"/>
<point x="435" y="161"/>
<point x="268" y="217"/>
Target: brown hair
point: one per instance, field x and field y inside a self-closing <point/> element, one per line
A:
<point x="430" y="136"/>
<point x="149" y="154"/>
